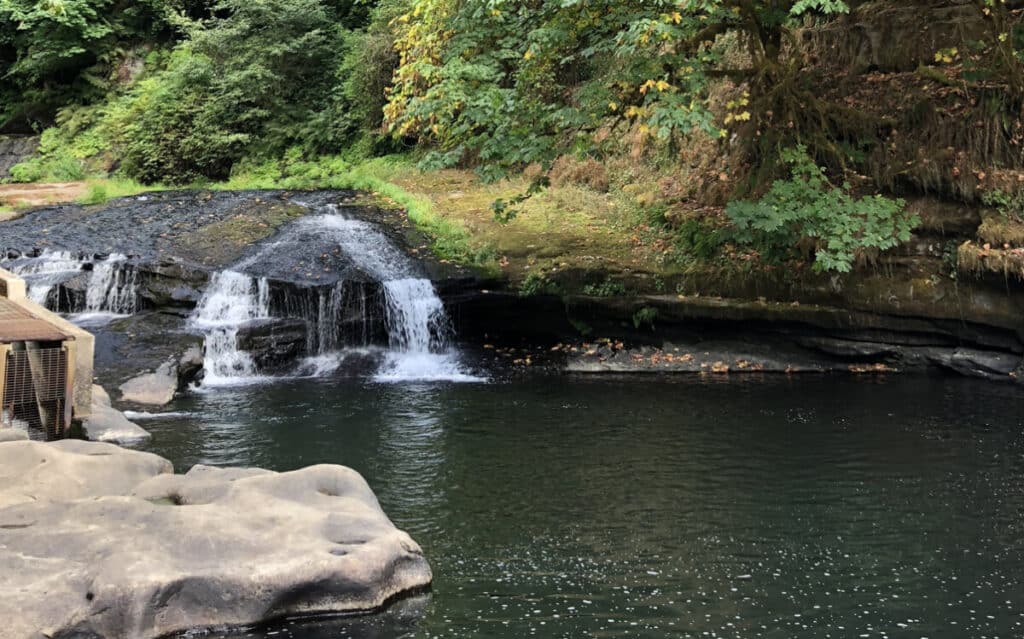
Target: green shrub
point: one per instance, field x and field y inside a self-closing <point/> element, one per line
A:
<point x="1008" y="204"/>
<point x="54" y="161"/>
<point x="97" y="194"/>
<point x="697" y="240"/>
<point x="607" y="288"/>
<point x="538" y="284"/>
<point x="247" y="84"/>
<point x="645" y="317"/>
<point x="809" y="207"/>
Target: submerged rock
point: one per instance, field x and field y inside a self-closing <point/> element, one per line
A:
<point x="107" y="424"/>
<point x="143" y="342"/>
<point x="103" y="542"/>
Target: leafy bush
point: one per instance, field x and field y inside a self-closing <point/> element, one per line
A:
<point x="60" y="52"/>
<point x="54" y="161"/>
<point x="607" y="288"/>
<point x="809" y="207"/>
<point x="97" y="194"/>
<point x="538" y="284"/>
<point x="645" y="317"/>
<point x="1008" y="204"/>
<point x="245" y="84"/>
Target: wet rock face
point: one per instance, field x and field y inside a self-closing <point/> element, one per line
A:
<point x="103" y="542"/>
<point x="15" y="149"/>
<point x="171" y="284"/>
<point x="274" y="344"/>
<point x="204" y="229"/>
<point x="142" y="343"/>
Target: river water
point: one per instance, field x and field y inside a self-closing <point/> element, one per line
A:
<point x="553" y="506"/>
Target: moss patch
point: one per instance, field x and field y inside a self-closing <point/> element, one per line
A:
<point x="224" y="241"/>
<point x="562" y="230"/>
<point x="1001" y="231"/>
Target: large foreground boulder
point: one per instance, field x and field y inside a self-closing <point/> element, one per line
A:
<point x="97" y="541"/>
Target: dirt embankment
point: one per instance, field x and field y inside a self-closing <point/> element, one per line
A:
<point x="25" y="195"/>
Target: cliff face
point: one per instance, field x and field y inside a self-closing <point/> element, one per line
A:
<point x="14" y="149"/>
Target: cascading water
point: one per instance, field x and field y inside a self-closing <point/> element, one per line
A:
<point x="44" y="273"/>
<point x="419" y="335"/>
<point x="419" y="331"/>
<point x="231" y="300"/>
<point x="111" y="288"/>
<point x="341" y="319"/>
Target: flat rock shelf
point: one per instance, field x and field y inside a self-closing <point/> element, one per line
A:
<point x="101" y="542"/>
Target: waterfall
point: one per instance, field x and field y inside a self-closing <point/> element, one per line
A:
<point x="419" y="335"/>
<point x="231" y="300"/>
<point x="419" y="331"/>
<point x="415" y="315"/>
<point x="111" y="288"/>
<point x="342" y="319"/>
<point x="44" y="273"/>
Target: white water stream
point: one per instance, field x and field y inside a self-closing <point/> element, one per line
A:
<point x="231" y="300"/>
<point x="419" y="332"/>
<point x="111" y="289"/>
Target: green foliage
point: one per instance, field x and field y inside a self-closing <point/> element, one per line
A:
<point x="97" y="194"/>
<point x="59" y="52"/>
<point x="809" y="207"/>
<point x="645" y="317"/>
<point x="538" y="284"/>
<point x="696" y="240"/>
<point x="248" y="83"/>
<point x="56" y="161"/>
<point x="1008" y="204"/>
<point x="607" y="288"/>
<point x="500" y="85"/>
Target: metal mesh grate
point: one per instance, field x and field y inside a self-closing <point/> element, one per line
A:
<point x="35" y="390"/>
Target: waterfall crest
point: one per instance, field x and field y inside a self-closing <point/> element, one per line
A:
<point x="417" y="340"/>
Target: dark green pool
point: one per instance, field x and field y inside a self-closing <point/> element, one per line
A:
<point x="617" y="507"/>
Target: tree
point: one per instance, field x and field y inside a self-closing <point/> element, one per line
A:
<point x="503" y="84"/>
<point x="60" y="52"/>
<point x="248" y="82"/>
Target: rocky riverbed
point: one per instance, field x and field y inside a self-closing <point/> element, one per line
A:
<point x="323" y="291"/>
<point x="101" y="542"/>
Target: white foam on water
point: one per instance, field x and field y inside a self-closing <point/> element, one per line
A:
<point x="320" y="365"/>
<point x="138" y="416"/>
<point x="404" y="367"/>
<point x="88" y="320"/>
<point x="419" y="333"/>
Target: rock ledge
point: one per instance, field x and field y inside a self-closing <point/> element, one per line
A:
<point x="101" y="542"/>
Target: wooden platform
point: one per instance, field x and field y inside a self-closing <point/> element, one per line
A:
<point x="18" y="325"/>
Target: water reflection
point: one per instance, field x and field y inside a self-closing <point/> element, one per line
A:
<point x="408" y="469"/>
<point x="572" y="507"/>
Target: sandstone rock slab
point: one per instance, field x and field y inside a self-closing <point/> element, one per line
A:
<point x="163" y="553"/>
<point x="12" y="435"/>
<point x="107" y="424"/>
<point x="154" y="389"/>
